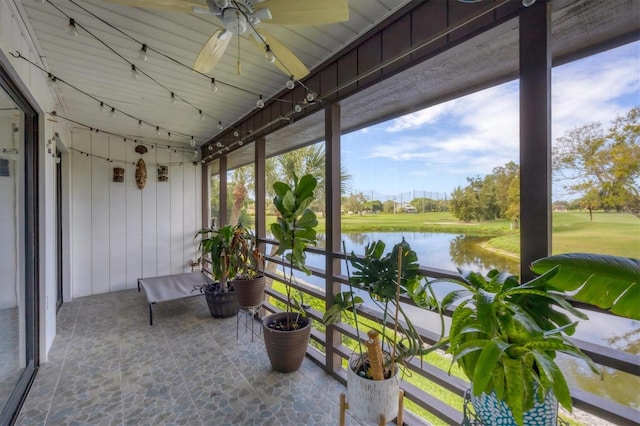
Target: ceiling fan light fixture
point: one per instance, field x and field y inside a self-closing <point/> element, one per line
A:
<point x="260" y="102"/>
<point x="234" y="20"/>
<point x="222" y="3"/>
<point x="527" y="3"/>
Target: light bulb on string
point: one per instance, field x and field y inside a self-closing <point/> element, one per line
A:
<point x="220" y="127"/>
<point x="51" y="79"/>
<point x="134" y="72"/>
<point x="113" y="112"/>
<point x="200" y="114"/>
<point x="173" y="98"/>
<point x="139" y="124"/>
<point x="311" y="96"/>
<point x="527" y="3"/>
<point x="260" y="102"/>
<point x="291" y="83"/>
<point x="158" y="130"/>
<point x="192" y="142"/>
<point x="297" y="108"/>
<point x="102" y="107"/>
<point x="214" y="86"/>
<point x="236" y="133"/>
<point x="268" y="54"/>
<point x="71" y="28"/>
<point x="169" y="136"/>
<point x="210" y="147"/>
<point x="219" y="144"/>
<point x="142" y="53"/>
<point x="240" y="143"/>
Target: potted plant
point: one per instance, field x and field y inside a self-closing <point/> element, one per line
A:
<point x="220" y="245"/>
<point x="249" y="280"/>
<point x="373" y="373"/>
<point x="286" y="334"/>
<point x="505" y="334"/>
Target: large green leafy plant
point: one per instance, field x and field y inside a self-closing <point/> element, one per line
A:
<point x="231" y="252"/>
<point x="386" y="277"/>
<point x="505" y="336"/>
<point x="294" y="229"/>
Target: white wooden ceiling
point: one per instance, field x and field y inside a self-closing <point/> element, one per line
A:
<point x="95" y="65"/>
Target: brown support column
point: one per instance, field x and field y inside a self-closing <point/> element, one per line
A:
<point x="535" y="134"/>
<point x="260" y="190"/>
<point x="222" y="215"/>
<point x="205" y="183"/>
<point x="332" y="201"/>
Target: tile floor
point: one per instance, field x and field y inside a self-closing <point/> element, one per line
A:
<point x="107" y="366"/>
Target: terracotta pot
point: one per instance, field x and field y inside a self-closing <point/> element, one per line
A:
<point x="221" y="305"/>
<point x="286" y="349"/>
<point x="369" y="399"/>
<point x="250" y="293"/>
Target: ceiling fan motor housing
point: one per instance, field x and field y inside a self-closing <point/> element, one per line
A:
<point x="234" y="20"/>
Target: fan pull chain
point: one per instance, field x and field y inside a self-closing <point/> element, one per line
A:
<point x="238" y="37"/>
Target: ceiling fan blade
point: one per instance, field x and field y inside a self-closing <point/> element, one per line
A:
<point x="307" y="12"/>
<point x="184" y="6"/>
<point x="286" y="60"/>
<point x="212" y="51"/>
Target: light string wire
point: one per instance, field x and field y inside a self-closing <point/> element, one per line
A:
<point x="139" y="70"/>
<point x="125" y="139"/>
<point x="124" y="162"/>
<point x="55" y="78"/>
<point x="149" y="48"/>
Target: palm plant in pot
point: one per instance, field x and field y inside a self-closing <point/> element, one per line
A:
<point x="373" y="373"/>
<point x="505" y="335"/>
<point x="286" y="334"/>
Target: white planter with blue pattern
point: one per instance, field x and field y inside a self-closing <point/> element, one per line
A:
<point x="492" y="411"/>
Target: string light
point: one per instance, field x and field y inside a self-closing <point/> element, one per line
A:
<point x="291" y="83"/>
<point x="220" y="127"/>
<point x="142" y="53"/>
<point x="173" y="98"/>
<point x="102" y="107"/>
<point x="297" y="108"/>
<point x="311" y="96"/>
<point x="158" y="130"/>
<point x="192" y="142"/>
<point x="236" y="133"/>
<point x="268" y="54"/>
<point x="260" y="102"/>
<point x="214" y="86"/>
<point x="134" y="72"/>
<point x="139" y="124"/>
<point x="219" y="144"/>
<point x="210" y="147"/>
<point x="113" y="112"/>
<point x="200" y="114"/>
<point x="71" y="28"/>
<point x="169" y="136"/>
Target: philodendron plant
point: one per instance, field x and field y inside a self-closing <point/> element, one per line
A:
<point x="295" y="231"/>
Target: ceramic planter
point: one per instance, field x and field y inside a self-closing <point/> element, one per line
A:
<point x="286" y="349"/>
<point x="369" y="399"/>
<point x="490" y="410"/>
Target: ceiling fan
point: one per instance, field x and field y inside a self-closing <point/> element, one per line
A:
<point x="242" y="16"/>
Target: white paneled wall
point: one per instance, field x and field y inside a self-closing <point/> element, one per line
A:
<point x="121" y="233"/>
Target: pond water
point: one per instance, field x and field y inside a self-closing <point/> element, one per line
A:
<point x="451" y="251"/>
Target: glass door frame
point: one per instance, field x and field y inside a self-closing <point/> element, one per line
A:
<point x="31" y="246"/>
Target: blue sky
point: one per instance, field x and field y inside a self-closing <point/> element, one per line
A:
<point x="435" y="149"/>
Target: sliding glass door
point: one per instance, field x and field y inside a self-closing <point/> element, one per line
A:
<point x="18" y="247"/>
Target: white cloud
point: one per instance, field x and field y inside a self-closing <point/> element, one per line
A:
<point x="420" y="118"/>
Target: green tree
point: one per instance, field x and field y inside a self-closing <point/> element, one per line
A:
<point x="374" y="206"/>
<point x="602" y="167"/>
<point x="355" y="203"/>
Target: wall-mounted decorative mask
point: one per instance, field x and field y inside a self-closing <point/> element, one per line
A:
<point x="141" y="149"/>
<point x="163" y="173"/>
<point x="141" y="174"/>
<point x="118" y="174"/>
